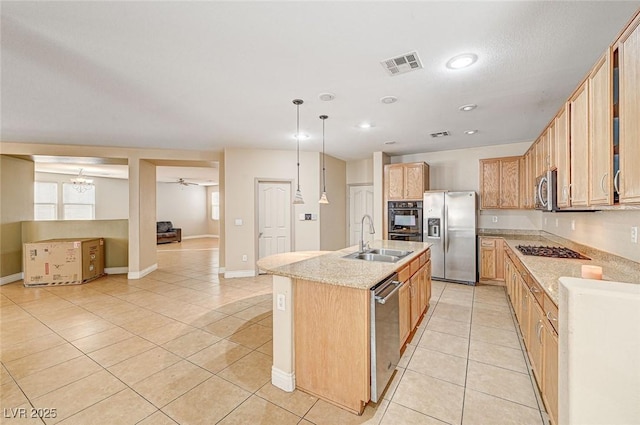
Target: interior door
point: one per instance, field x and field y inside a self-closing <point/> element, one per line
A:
<point x="274" y="218"/>
<point x="360" y="203"/>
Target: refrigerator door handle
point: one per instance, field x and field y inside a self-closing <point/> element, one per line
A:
<point x="446" y="228"/>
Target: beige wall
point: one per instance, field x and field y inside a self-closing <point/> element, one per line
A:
<point x="380" y="159"/>
<point x="242" y="168"/>
<point x="114" y="232"/>
<point x="360" y="172"/>
<point x="187" y="207"/>
<point x="222" y="188"/>
<point x="16" y="205"/>
<point x="148" y="230"/>
<point x="333" y="215"/>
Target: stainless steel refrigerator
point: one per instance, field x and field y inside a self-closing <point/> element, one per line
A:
<point x="450" y="225"/>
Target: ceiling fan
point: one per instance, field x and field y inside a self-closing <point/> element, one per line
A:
<point x="183" y="182"/>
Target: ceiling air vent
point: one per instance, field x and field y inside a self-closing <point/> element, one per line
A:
<point x="402" y="64"/>
<point x="440" y="134"/>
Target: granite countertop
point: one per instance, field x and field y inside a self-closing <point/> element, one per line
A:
<point x="547" y="271"/>
<point x="330" y="266"/>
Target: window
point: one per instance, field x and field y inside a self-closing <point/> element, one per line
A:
<point x="46" y="201"/>
<point x="78" y="205"/>
<point x="215" y="205"/>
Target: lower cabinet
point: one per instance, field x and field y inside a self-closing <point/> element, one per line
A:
<point x="550" y="371"/>
<point x="414" y="296"/>
<point x="536" y="339"/>
<point x="491" y="259"/>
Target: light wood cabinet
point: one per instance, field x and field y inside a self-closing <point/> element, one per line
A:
<point x="523" y="320"/>
<point x="406" y="181"/>
<point x="500" y="183"/>
<point x="414" y="294"/>
<point x="536" y="341"/>
<point x="579" y="136"/>
<point x="414" y="289"/>
<point x="600" y="133"/>
<point x="335" y="318"/>
<point x="405" y="312"/>
<point x="562" y="157"/>
<point x="551" y="146"/>
<point x="491" y="259"/>
<point x="550" y="371"/>
<point x="628" y="56"/>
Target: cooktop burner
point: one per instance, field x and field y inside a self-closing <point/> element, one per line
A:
<point x="551" y="251"/>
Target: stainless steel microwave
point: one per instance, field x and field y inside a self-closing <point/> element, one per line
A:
<point x="545" y="191"/>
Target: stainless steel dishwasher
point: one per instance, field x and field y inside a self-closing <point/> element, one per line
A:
<point x="385" y="334"/>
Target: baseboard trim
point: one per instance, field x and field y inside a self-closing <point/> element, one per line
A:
<point x="200" y="236"/>
<point x="11" y="278"/>
<point x="142" y="273"/>
<point x="284" y="380"/>
<point x="239" y="273"/>
<point x="116" y="270"/>
<point x="220" y="270"/>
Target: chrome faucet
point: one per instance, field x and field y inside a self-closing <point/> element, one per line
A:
<point x="371" y="232"/>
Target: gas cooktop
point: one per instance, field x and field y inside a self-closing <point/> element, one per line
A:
<point x="551" y="251"/>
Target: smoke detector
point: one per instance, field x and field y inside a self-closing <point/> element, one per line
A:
<point x="402" y="64"/>
<point x="440" y="134"/>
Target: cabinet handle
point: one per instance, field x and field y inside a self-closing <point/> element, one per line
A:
<point x="550" y="317"/>
<point x="602" y="184"/>
<point x="534" y="290"/>
<point x="539" y="331"/>
<point x="569" y="192"/>
<point x="616" y="179"/>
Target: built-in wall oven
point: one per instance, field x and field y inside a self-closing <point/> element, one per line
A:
<point x="405" y="221"/>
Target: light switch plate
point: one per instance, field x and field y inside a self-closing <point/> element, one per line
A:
<point x="494" y="219"/>
<point x="634" y="234"/>
<point x="280" y="302"/>
<point x="238" y="222"/>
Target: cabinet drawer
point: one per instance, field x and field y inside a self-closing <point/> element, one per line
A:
<point x="551" y="311"/>
<point x="423" y="259"/>
<point x="404" y="274"/>
<point x="487" y="243"/>
<point x="415" y="265"/>
<point x="537" y="291"/>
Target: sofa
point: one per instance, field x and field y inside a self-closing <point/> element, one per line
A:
<point x="167" y="233"/>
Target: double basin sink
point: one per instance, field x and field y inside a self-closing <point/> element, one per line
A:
<point x="380" y="254"/>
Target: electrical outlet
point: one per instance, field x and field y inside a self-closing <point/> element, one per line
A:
<point x="573" y="225"/>
<point x="557" y="222"/>
<point x="545" y="221"/>
<point x="244" y="257"/>
<point x="280" y="302"/>
<point x="634" y="234"/>
<point x="494" y="219"/>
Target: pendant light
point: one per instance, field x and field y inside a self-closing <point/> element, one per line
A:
<point x="323" y="198"/>
<point x="298" y="198"/>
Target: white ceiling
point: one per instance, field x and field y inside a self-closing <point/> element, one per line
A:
<point x="209" y="75"/>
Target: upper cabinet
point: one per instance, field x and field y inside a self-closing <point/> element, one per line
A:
<point x="406" y="181"/>
<point x="600" y="134"/>
<point x="579" y="135"/>
<point x="562" y="156"/>
<point x="500" y="183"/>
<point x="627" y="66"/>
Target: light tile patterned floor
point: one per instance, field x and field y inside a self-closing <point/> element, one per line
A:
<point x="186" y="346"/>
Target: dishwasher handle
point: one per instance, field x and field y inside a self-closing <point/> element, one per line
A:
<point x="380" y="299"/>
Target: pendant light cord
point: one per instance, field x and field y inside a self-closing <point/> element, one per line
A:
<point x="324" y="174"/>
<point x="298" y="139"/>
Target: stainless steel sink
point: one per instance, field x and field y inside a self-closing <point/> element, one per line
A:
<point x="393" y="252"/>
<point x="383" y="255"/>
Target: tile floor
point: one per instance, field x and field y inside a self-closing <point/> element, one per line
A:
<point x="186" y="346"/>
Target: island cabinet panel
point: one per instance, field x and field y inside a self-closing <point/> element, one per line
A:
<point x="414" y="294"/>
<point x="415" y="299"/>
<point x="331" y="329"/>
<point x="404" y="299"/>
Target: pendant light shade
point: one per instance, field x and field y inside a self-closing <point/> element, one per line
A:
<point x="323" y="198"/>
<point x="298" y="198"/>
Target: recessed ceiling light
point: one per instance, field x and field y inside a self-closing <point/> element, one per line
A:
<point x="365" y="125"/>
<point x="389" y="142"/>
<point x="471" y="132"/>
<point x="302" y="136"/>
<point x="462" y="61"/>
<point x="468" y="107"/>
<point x="326" y="96"/>
<point x="388" y="100"/>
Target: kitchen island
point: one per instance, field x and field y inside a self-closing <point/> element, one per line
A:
<point x="321" y="317"/>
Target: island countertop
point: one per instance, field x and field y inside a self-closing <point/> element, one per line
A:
<point x="330" y="266"/>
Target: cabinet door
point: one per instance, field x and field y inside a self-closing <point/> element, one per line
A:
<point x="524" y="311"/>
<point x="510" y="183"/>
<point x="579" y="134"/>
<point x="487" y="258"/>
<point x="490" y="183"/>
<point x="535" y="337"/>
<point x="550" y="373"/>
<point x="414" y="181"/>
<point x="428" y="282"/>
<point x="404" y="299"/>
<point x="423" y="289"/>
<point x="629" y="63"/>
<point x="600" y="134"/>
<point x="415" y="300"/>
<point x="396" y="182"/>
<point x="551" y="146"/>
<point x="562" y="157"/>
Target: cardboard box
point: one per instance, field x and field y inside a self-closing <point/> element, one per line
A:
<point x="63" y="261"/>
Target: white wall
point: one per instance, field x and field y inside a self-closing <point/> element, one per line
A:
<point x="241" y="169"/>
<point x="360" y="172"/>
<point x="187" y="207"/>
<point x="112" y="195"/>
